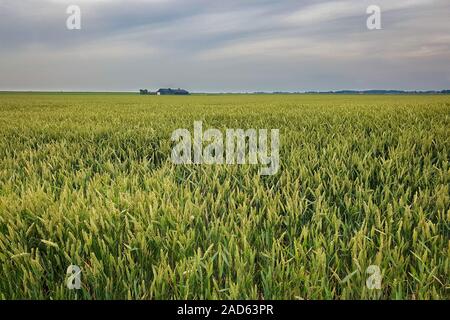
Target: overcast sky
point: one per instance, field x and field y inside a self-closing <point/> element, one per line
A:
<point x="224" y="45"/>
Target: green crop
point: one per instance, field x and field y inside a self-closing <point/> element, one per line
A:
<point x="87" y="180"/>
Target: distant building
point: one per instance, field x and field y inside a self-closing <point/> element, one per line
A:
<point x="146" y="92"/>
<point x="162" y="92"/>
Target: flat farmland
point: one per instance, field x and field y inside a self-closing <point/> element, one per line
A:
<point x="362" y="187"/>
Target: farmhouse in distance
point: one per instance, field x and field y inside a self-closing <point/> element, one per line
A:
<point x="165" y="92"/>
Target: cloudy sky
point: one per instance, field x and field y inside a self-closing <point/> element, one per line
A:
<point x="217" y="45"/>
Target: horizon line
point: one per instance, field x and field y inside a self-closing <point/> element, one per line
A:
<point x="244" y="92"/>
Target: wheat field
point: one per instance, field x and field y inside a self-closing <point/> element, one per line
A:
<point x="86" y="180"/>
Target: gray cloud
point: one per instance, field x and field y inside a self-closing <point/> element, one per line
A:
<point x="207" y="45"/>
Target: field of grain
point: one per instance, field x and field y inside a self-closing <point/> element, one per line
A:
<point x="86" y="179"/>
